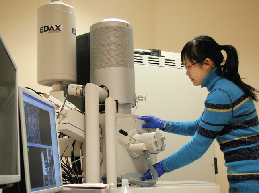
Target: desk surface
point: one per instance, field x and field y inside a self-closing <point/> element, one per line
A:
<point x="161" y="186"/>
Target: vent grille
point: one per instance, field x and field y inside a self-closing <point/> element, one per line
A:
<point x="168" y="59"/>
<point x="111" y="46"/>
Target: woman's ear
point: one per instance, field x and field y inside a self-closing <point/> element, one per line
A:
<point x="209" y="63"/>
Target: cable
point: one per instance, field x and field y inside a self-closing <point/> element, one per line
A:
<point x="74" y="164"/>
<point x="62" y="107"/>
<point x="68" y="171"/>
<point x="68" y="175"/>
<point x="136" y="107"/>
<point x="152" y="169"/>
<point x="134" y="182"/>
<point x="38" y="93"/>
<point x="77" y="160"/>
<point x="66" y="147"/>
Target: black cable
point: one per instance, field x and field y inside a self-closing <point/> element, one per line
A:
<point x="62" y="107"/>
<point x="38" y="93"/>
<point x="75" y="179"/>
<point x="74" y="168"/>
<point x="68" y="175"/>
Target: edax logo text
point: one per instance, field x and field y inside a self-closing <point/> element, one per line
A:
<point x="51" y="29"/>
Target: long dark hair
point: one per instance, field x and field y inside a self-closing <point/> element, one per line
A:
<point x="202" y="47"/>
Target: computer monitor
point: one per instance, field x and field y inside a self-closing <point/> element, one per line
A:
<point x="39" y="143"/>
<point x="9" y="122"/>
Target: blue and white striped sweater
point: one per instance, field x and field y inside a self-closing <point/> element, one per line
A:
<point x="229" y="117"/>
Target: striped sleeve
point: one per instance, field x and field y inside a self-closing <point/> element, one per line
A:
<point x="215" y="116"/>
<point x="187" y="128"/>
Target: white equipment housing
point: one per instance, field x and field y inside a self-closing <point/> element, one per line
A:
<point x="56" y="49"/>
<point x="71" y="123"/>
<point x="112" y="60"/>
<point x="127" y="162"/>
<point x="112" y="66"/>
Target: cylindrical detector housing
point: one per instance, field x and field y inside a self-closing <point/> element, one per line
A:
<point x="56" y="38"/>
<point x="112" y="58"/>
<point x="154" y="141"/>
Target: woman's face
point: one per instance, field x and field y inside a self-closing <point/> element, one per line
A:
<point x="197" y="72"/>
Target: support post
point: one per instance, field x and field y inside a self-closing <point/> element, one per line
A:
<point x="92" y="136"/>
<point x="110" y="138"/>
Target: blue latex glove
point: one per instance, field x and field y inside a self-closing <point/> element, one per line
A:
<point x="153" y="122"/>
<point x="159" y="169"/>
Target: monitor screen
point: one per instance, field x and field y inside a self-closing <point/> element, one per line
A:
<point x="9" y="122"/>
<point x="40" y="143"/>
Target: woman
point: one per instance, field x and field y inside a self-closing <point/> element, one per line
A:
<point x="229" y="116"/>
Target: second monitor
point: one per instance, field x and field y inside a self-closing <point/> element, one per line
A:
<point x="40" y="143"/>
